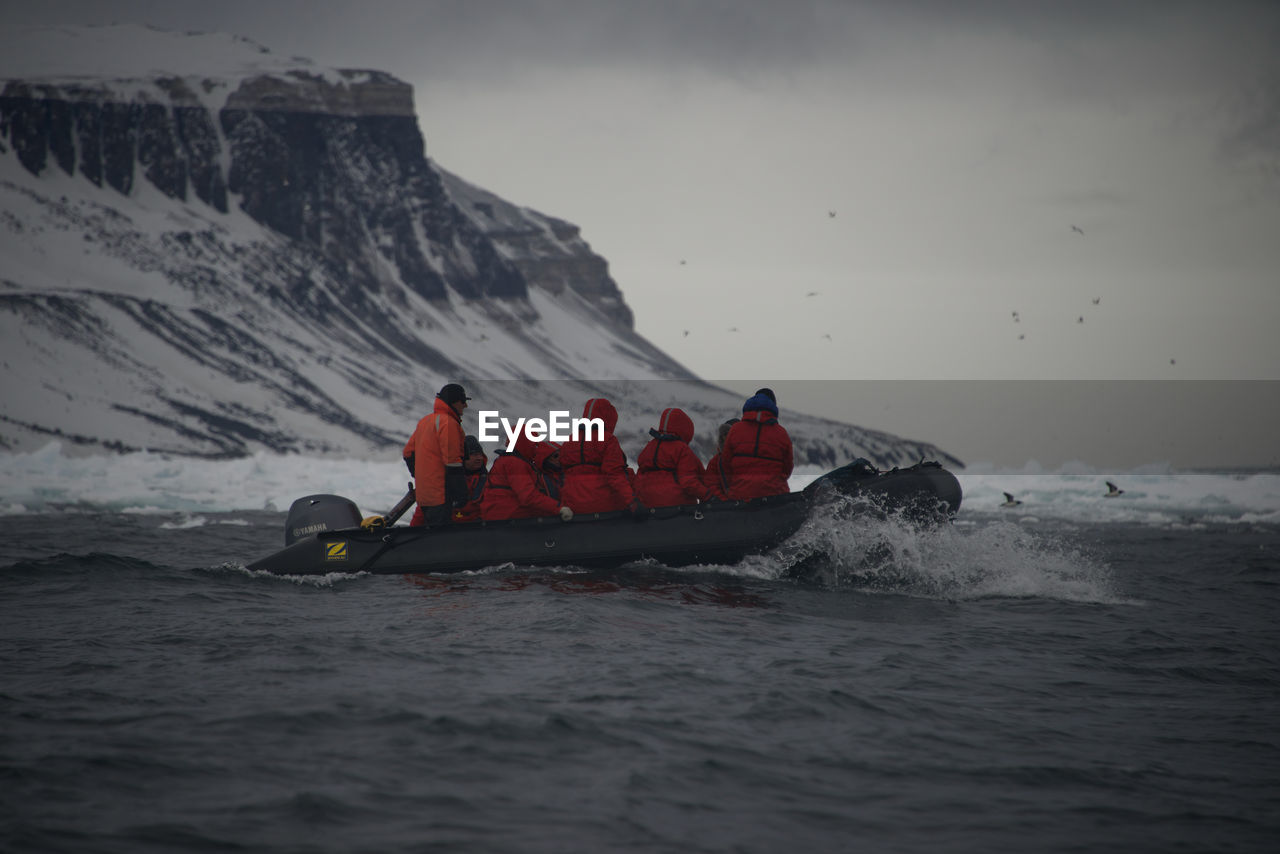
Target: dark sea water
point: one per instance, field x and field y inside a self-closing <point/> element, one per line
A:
<point x="994" y="686"/>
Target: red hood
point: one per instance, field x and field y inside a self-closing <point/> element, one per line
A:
<point x="598" y="407"/>
<point x="677" y="423"/>
<point x="542" y="451"/>
<point x="759" y="415"/>
<point x="528" y="448"/>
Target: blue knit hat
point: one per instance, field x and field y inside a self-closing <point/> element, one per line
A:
<point x="760" y="402"/>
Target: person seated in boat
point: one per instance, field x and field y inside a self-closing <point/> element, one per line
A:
<point x="550" y="472"/>
<point x="670" y="472"/>
<point x="434" y="457"/>
<point x="595" y="469"/>
<point x="713" y="476"/>
<point x="757" y="456"/>
<point x="476" y="464"/>
<point x="513" y="488"/>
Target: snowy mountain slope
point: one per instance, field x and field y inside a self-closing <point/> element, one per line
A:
<point x="207" y="250"/>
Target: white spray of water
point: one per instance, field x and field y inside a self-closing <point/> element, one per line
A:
<point x="327" y="580"/>
<point x="849" y="544"/>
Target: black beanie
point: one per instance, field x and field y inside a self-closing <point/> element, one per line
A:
<point x="452" y="393"/>
<point x="768" y="392"/>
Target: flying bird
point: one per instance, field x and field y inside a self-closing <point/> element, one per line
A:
<point x="1010" y="501"/>
<point x="1097" y="300"/>
<point x="686" y="333"/>
<point x="1077" y="229"/>
<point x="1080" y="319"/>
<point x="683" y="262"/>
<point x="733" y="329"/>
<point x="812" y="294"/>
<point x="1021" y="337"/>
<point x="831" y="214"/>
<point x="1113" y="490"/>
<point x="827" y="335"/>
<point x="1173" y="361"/>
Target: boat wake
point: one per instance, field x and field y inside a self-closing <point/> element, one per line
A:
<point x="849" y="544"/>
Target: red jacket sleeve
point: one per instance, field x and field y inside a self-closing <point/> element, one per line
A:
<point x="614" y="468"/>
<point x="689" y="474"/>
<point x="711" y="478"/>
<point x="788" y="461"/>
<point x="524" y="484"/>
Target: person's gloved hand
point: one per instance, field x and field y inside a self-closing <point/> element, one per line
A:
<point x="373" y="523"/>
<point x="566" y="514"/>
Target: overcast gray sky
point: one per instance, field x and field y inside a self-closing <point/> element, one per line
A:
<point x="704" y="146"/>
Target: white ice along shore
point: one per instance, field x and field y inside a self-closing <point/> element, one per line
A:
<point x="48" y="481"/>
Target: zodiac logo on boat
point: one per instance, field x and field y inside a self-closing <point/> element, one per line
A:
<point x="336" y="550"/>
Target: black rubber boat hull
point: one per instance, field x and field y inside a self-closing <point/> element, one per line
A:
<point x="716" y="533"/>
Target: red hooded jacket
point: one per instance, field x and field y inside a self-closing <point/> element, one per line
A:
<point x="670" y="472"/>
<point x="550" y="478"/>
<point x="714" y="479"/>
<point x="595" y="470"/>
<point x="757" y="456"/>
<point x="512" y="489"/>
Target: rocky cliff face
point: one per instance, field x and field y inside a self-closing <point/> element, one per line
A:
<point x="311" y="160"/>
<point x="263" y="257"/>
<point x="549" y="253"/>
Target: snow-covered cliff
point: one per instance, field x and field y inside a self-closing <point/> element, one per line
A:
<point x="209" y="250"/>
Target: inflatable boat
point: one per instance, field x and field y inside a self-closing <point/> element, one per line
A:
<point x="326" y="534"/>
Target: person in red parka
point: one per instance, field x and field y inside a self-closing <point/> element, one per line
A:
<point x="669" y="471"/>
<point x="550" y="472"/>
<point x="713" y="476"/>
<point x="757" y="456"/>
<point x="476" y="464"/>
<point x="512" y="491"/>
<point x="595" y="470"/>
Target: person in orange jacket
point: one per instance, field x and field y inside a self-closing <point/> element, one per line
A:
<point x="713" y="476"/>
<point x="434" y="457"/>
<point x="475" y="462"/>
<point x="670" y="472"/>
<point x="513" y="489"/>
<point x="757" y="455"/>
<point x="595" y="470"/>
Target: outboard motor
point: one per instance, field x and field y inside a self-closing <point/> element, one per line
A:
<point x="315" y="513"/>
